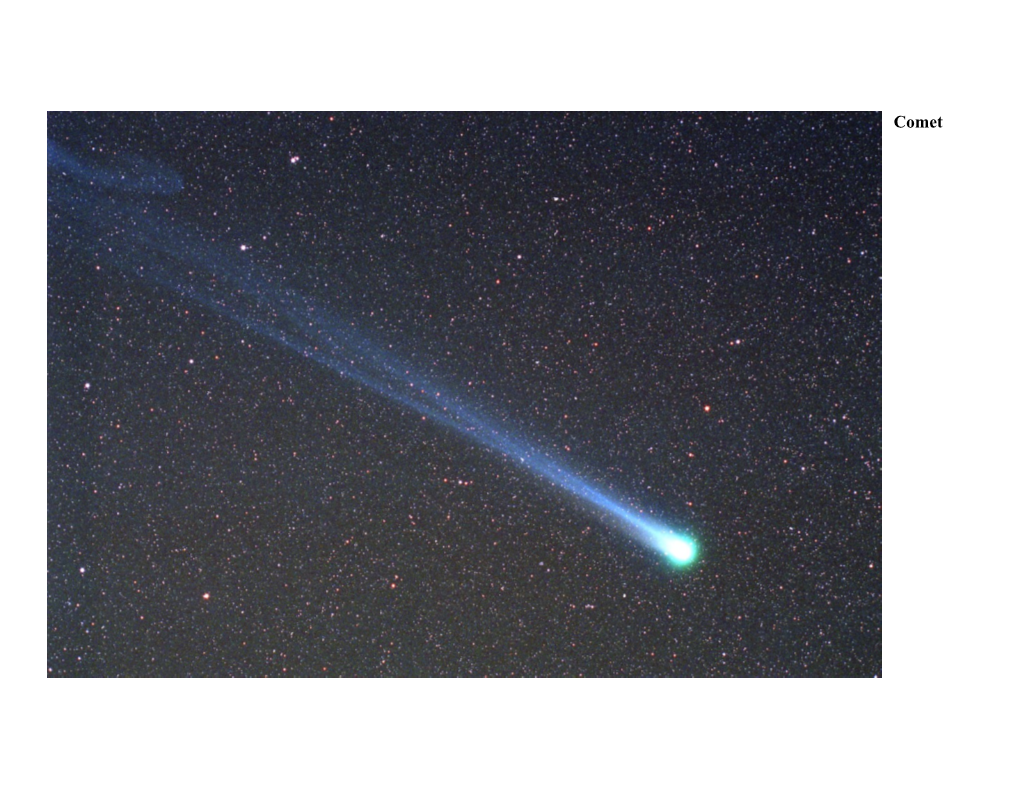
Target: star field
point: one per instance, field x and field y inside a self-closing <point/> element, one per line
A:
<point x="268" y="335"/>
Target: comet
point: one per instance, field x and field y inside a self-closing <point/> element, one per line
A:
<point x="115" y="206"/>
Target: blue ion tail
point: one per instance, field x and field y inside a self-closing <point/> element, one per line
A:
<point x="141" y="242"/>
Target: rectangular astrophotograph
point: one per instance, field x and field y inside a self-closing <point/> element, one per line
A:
<point x="464" y="394"/>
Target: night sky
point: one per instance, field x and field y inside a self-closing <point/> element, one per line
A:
<point x="294" y="362"/>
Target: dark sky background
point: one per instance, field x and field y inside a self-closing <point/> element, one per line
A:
<point x="687" y="308"/>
